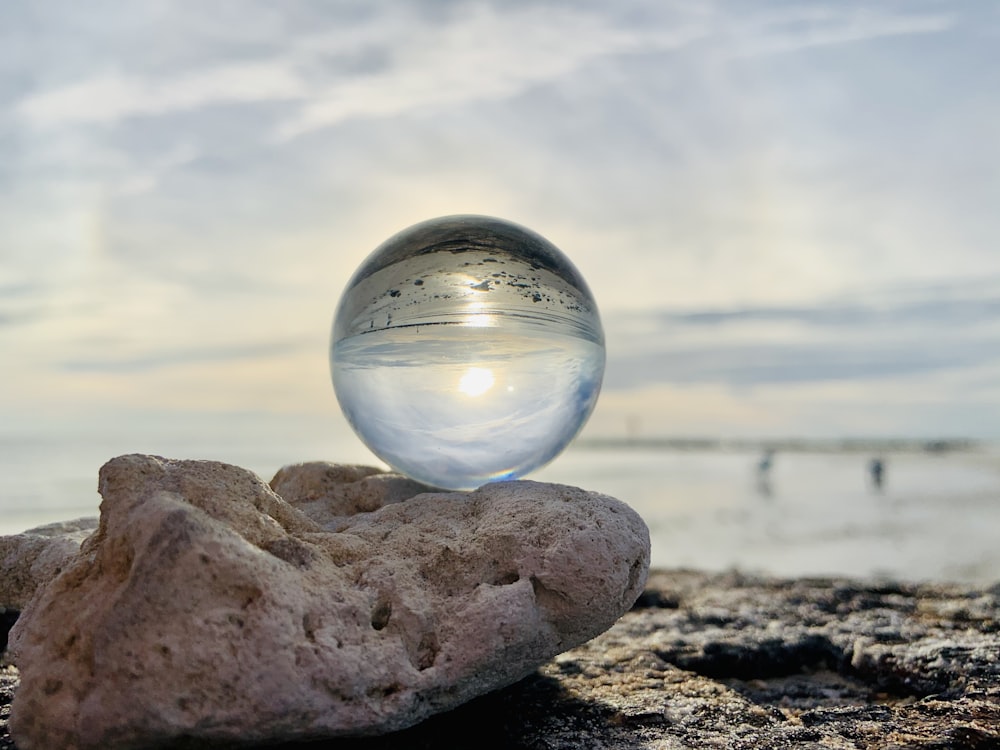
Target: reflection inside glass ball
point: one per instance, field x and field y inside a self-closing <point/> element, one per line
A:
<point x="467" y="349"/>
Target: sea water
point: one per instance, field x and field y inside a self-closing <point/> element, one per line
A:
<point x="935" y="517"/>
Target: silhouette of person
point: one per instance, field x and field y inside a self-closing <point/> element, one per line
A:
<point x="876" y="469"/>
<point x="764" y="465"/>
<point x="764" y="473"/>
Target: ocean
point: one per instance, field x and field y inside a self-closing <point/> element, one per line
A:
<point x="814" y="513"/>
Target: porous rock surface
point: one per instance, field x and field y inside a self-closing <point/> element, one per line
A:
<point x="37" y="556"/>
<point x="208" y="608"/>
<point x="736" y="661"/>
<point x="328" y="493"/>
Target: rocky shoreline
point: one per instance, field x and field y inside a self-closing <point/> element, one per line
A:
<point x="737" y="661"/>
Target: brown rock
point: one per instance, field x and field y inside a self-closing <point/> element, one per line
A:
<point x="34" y="557"/>
<point x="328" y="492"/>
<point x="207" y="607"/>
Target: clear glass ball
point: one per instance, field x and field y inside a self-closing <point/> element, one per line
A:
<point x="465" y="350"/>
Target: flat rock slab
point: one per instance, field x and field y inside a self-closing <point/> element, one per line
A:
<point x="734" y="661"/>
<point x="207" y="607"/>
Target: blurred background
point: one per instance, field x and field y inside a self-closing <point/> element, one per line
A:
<point x="787" y="212"/>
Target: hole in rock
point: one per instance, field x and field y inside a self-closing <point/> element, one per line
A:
<point x="427" y="651"/>
<point x="381" y="614"/>
<point x="246" y="596"/>
<point x="52" y="686"/>
<point x="384" y="692"/>
<point x="310" y="624"/>
<point x="505" y="579"/>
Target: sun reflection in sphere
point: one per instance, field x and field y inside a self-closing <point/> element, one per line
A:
<point x="476" y="381"/>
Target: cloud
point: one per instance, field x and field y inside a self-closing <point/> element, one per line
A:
<point x="832" y="342"/>
<point x="168" y="357"/>
<point x="387" y="65"/>
<point x="480" y="55"/>
<point x="799" y="28"/>
<point x="755" y="364"/>
<point x="114" y="96"/>
<point x="384" y="64"/>
<point x="504" y="54"/>
<point x="937" y="312"/>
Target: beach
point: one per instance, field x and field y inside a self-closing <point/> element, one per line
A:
<point x="815" y="513"/>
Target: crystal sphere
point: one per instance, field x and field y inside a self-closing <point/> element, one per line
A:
<point x="467" y="349"/>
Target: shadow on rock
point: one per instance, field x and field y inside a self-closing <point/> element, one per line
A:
<point x="7" y="619"/>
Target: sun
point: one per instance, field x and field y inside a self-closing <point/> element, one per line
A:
<point x="476" y="381"/>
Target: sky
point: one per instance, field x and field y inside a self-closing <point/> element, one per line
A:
<point x="787" y="211"/>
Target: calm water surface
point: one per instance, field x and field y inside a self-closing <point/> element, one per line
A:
<point x="936" y="517"/>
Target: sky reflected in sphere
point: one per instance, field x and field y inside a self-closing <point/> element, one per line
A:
<point x="467" y="349"/>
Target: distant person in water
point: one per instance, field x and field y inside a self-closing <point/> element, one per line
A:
<point x="764" y="473"/>
<point x="876" y="469"/>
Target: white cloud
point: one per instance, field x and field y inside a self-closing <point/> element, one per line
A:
<point x="482" y="55"/>
<point x="144" y="180"/>
<point x="801" y="28"/>
<point x="479" y="55"/>
<point x="113" y="96"/>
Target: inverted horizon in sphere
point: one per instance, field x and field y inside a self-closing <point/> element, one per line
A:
<point x="467" y="349"/>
